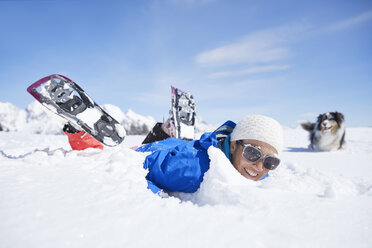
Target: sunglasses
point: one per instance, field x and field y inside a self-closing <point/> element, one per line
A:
<point x="254" y="154"/>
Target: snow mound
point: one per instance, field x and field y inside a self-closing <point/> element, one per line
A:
<point x="114" y="111"/>
<point x="138" y="124"/>
<point x="11" y="118"/>
<point x="35" y="119"/>
<point x="134" y="124"/>
<point x="42" y="121"/>
<point x="202" y="126"/>
<point x="54" y="197"/>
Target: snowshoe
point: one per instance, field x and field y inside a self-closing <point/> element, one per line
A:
<point x="68" y="100"/>
<point x="182" y="115"/>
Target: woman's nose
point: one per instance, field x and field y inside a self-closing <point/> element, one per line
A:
<point x="259" y="165"/>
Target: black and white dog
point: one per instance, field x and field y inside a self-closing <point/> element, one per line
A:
<point x="327" y="133"/>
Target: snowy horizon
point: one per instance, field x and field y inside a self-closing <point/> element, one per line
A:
<point x="35" y="116"/>
<point x="38" y="119"/>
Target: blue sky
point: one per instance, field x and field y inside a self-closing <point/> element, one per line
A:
<point x="287" y="59"/>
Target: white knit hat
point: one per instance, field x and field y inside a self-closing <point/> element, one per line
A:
<point x="259" y="127"/>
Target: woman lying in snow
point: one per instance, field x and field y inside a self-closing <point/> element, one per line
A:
<point x="177" y="165"/>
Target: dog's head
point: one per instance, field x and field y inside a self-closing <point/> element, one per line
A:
<point x="330" y="122"/>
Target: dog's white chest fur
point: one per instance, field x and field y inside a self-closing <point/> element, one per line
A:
<point x="328" y="140"/>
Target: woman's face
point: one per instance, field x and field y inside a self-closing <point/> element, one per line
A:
<point x="250" y="170"/>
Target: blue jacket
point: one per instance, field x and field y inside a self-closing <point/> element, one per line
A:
<point x="178" y="165"/>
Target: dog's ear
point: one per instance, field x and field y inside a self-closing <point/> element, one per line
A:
<point x="320" y="118"/>
<point x="308" y="126"/>
<point x="339" y="118"/>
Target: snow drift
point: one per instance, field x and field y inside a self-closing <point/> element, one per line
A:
<point x="51" y="196"/>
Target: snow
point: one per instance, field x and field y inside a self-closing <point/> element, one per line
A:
<point x="120" y="130"/>
<point x="35" y="119"/>
<point x="51" y="196"/>
<point x="90" y="116"/>
<point x="11" y="118"/>
<point x="133" y="123"/>
<point x="186" y="132"/>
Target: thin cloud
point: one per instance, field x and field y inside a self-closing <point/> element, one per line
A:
<point x="252" y="70"/>
<point x="363" y="17"/>
<point x="259" y="47"/>
<point x="309" y="115"/>
<point x="210" y="90"/>
<point x="191" y="2"/>
<point x="237" y="113"/>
